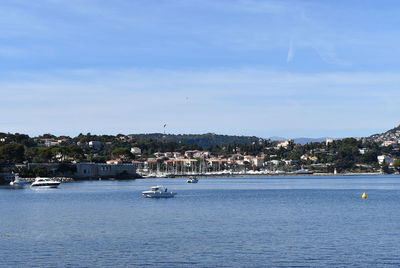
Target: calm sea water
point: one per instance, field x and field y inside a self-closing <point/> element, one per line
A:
<point x="219" y="222"/>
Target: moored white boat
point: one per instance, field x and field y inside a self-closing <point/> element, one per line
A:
<point x="45" y="183"/>
<point x="158" y="192"/>
<point x="303" y="172"/>
<point x="192" y="180"/>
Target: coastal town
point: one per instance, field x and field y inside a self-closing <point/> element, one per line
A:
<point x="127" y="156"/>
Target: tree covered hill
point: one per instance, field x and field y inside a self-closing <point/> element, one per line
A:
<point x="19" y="148"/>
<point x="203" y="140"/>
<point x="345" y="154"/>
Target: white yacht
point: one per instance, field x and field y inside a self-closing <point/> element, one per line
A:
<point x="158" y="192"/>
<point x="45" y="183"/>
<point x="192" y="180"/>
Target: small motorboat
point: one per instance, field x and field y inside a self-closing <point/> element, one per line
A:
<point x="45" y="183"/>
<point x="158" y="192"/>
<point x="192" y="180"/>
<point x="18" y="183"/>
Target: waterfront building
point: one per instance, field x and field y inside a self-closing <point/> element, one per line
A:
<point x="51" y="168"/>
<point x="217" y="164"/>
<point x="168" y="154"/>
<point x="190" y="154"/>
<point x="100" y="170"/>
<point x="275" y="162"/>
<point x="255" y="161"/>
<point x="114" y="162"/>
<point x="236" y="157"/>
<point x="201" y="154"/>
<point x="158" y="154"/>
<point x="189" y="162"/>
<point x="177" y="154"/>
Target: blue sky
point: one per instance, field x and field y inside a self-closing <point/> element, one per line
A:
<point x="243" y="67"/>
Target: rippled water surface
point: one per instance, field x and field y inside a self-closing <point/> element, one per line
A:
<point x="223" y="222"/>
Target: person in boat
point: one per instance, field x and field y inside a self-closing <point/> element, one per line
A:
<point x="165" y="189"/>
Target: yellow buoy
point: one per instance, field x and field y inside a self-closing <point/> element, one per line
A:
<point x="364" y="196"/>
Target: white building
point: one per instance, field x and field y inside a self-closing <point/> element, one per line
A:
<point x="256" y="161"/>
<point x="136" y="150"/>
<point x="389" y="143"/>
<point x="114" y="162"/>
<point x="159" y="154"/>
<point x="284" y="144"/>
<point x="329" y="141"/>
<point x="47" y="143"/>
<point x="364" y="150"/>
<point x="275" y="162"/>
<point x="97" y="145"/>
<point x="201" y="154"/>
<point x="169" y="154"/>
<point x="190" y="154"/>
<point x="176" y="154"/>
<point x="384" y="159"/>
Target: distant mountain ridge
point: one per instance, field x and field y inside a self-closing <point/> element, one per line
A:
<point x="301" y="140"/>
<point x="309" y="140"/>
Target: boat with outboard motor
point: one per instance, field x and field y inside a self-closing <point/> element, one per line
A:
<point x="158" y="192"/>
<point x="45" y="183"/>
<point x="18" y="183"/>
<point x="192" y="180"/>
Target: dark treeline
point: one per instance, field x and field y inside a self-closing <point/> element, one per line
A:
<point x="204" y="141"/>
<point x="18" y="148"/>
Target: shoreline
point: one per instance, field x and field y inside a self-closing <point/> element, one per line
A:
<point x="270" y="175"/>
<point x="68" y="180"/>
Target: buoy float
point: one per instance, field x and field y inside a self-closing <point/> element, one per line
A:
<point x="364" y="196"/>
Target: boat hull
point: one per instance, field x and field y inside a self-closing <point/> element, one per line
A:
<point x="45" y="186"/>
<point x="17" y="185"/>
<point x="159" y="195"/>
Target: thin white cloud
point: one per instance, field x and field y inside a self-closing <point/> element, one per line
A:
<point x="290" y="54"/>
<point x="205" y="26"/>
